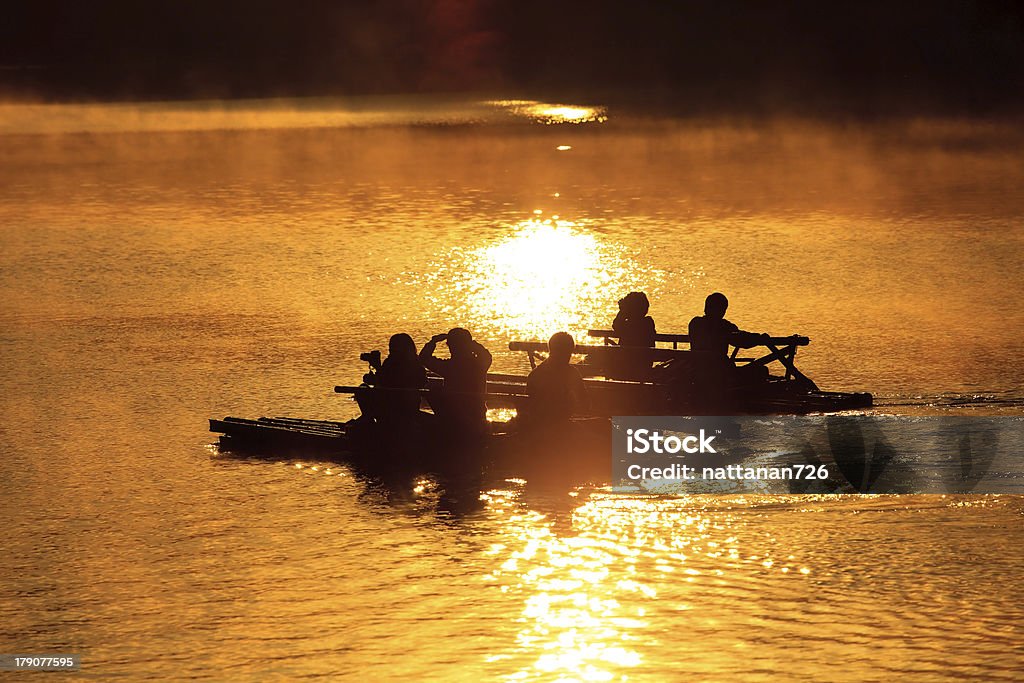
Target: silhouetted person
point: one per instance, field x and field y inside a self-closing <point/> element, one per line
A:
<point x="461" y="402"/>
<point x="633" y="325"/>
<point x="401" y="375"/>
<point x="555" y="387"/>
<point x="711" y="335"/>
<point x="402" y="371"/>
<point x="636" y="330"/>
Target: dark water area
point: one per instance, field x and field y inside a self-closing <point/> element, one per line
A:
<point x="163" y="264"/>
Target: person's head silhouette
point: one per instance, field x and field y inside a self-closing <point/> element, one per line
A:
<point x="715" y="305"/>
<point x="561" y="347"/>
<point x="635" y="304"/>
<point x="459" y="341"/>
<point x="401" y="345"/>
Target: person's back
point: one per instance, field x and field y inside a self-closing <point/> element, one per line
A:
<point x="634" y="327"/>
<point x="462" y="399"/>
<point x="391" y="391"/>
<point x="404" y="375"/>
<point x="635" y="330"/>
<point x="555" y="387"/>
<point x="712" y="334"/>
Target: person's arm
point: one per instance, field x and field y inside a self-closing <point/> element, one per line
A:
<point x="619" y="324"/>
<point x="693" y="330"/>
<point x="746" y="340"/>
<point x="385" y="375"/>
<point x="531" y="381"/>
<point x="435" y="365"/>
<point x="483" y="356"/>
<point x="650" y="333"/>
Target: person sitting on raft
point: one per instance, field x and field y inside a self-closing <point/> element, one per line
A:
<point x="461" y="402"/>
<point x="555" y="387"/>
<point x="401" y="376"/>
<point x="711" y="335"/>
<point x="636" y="331"/>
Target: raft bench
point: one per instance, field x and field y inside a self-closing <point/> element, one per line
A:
<point x="782" y="349"/>
<point x="532" y="349"/>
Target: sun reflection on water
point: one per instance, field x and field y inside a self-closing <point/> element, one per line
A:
<point x="552" y="113"/>
<point x="598" y="581"/>
<point x="545" y="275"/>
<point x="573" y="624"/>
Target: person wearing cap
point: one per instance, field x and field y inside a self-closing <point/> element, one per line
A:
<point x="461" y="401"/>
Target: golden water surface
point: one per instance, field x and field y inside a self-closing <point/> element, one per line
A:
<point x="162" y="264"/>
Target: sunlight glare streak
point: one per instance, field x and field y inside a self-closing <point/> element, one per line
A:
<point x="552" y="113"/>
<point x="574" y="625"/>
<point x="545" y="275"/>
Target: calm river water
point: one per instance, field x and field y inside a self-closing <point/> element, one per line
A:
<point x="153" y="279"/>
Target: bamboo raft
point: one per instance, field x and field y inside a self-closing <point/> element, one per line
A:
<point x="586" y="443"/>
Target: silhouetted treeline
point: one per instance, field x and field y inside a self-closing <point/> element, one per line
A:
<point x="729" y="54"/>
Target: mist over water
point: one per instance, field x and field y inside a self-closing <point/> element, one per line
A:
<point x="163" y="264"/>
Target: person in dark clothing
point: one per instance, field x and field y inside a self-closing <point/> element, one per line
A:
<point x="711" y="335"/>
<point x="555" y="387"/>
<point x="636" y="331"/>
<point x="714" y="334"/>
<point x="402" y="376"/>
<point x="402" y="371"/>
<point x="461" y="402"/>
<point x="632" y="324"/>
